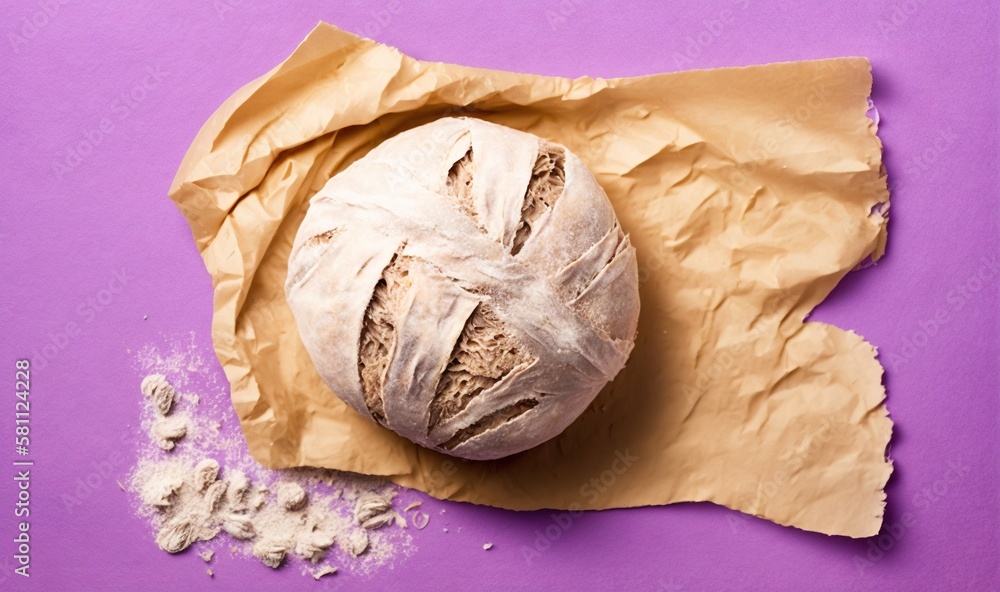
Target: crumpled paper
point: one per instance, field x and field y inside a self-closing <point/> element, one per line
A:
<point x="748" y="193"/>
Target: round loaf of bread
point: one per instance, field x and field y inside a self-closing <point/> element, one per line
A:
<point x="465" y="285"/>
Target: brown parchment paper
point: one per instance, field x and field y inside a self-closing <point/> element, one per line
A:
<point x="748" y="193"/>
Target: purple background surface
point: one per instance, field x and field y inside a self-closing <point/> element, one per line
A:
<point x="68" y="227"/>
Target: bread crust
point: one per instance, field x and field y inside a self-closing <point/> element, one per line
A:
<point x="467" y="286"/>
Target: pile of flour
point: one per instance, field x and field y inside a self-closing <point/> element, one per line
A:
<point x="197" y="485"/>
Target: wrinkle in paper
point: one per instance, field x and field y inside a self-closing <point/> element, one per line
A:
<point x="748" y="193"/>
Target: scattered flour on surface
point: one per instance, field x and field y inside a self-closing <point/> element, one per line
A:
<point x="198" y="487"/>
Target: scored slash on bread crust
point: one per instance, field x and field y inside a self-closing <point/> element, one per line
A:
<point x="378" y="336"/>
<point x="548" y="177"/>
